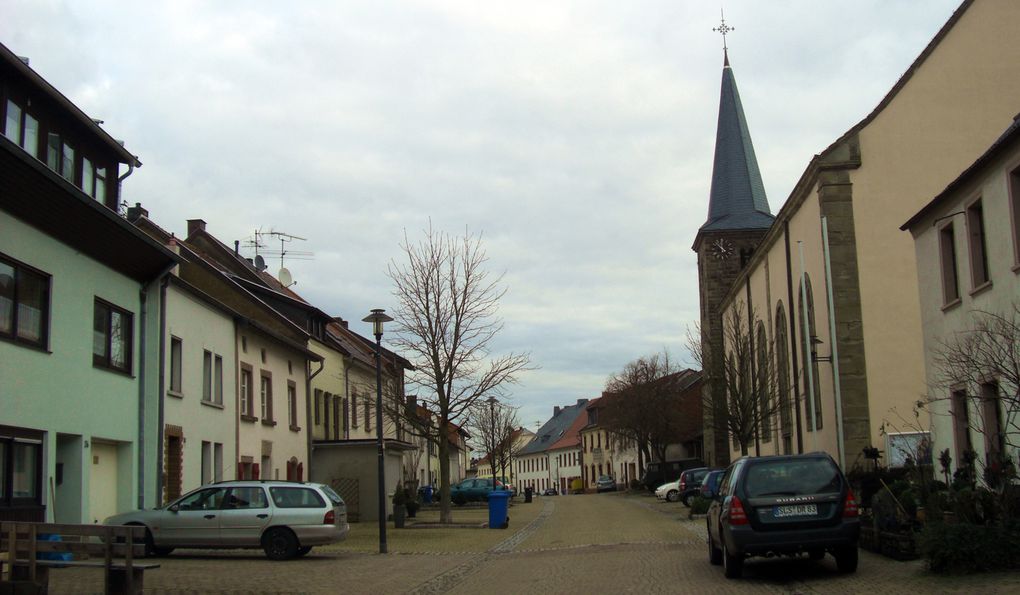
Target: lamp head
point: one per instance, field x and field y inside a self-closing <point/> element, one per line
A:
<point x="377" y="318"/>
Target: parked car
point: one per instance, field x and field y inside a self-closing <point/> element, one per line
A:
<point x="669" y="491"/>
<point x="284" y="518"/>
<point x="689" y="484"/>
<point x="710" y="485"/>
<point x="473" y="490"/>
<point x="658" y="473"/>
<point x="605" y="483"/>
<point x="783" y="505"/>
<point x="550" y="492"/>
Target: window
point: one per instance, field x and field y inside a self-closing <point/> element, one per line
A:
<point x="21" y="128"/>
<point x="266" y="393"/>
<point x="318" y="398"/>
<point x="111" y="337"/>
<point x="244" y="344"/>
<point x="991" y="423"/>
<point x="976" y="244"/>
<point x="12" y="124"/>
<point x="207" y="499"/>
<point x="947" y="251"/>
<point x="60" y="156"/>
<point x="206" y="462"/>
<point x="217" y="461"/>
<point x="296" y="498"/>
<point x="247" y="498"/>
<point x="961" y="423"/>
<point x="176" y="348"/>
<point x="20" y="472"/>
<point x="218" y="380"/>
<point x="354" y="410"/>
<point x="1014" y="211"/>
<point x="24" y="303"/>
<point x="207" y="372"/>
<point x="93" y="180"/>
<point x="246" y="389"/>
<point x="292" y="418"/>
<point x="368" y="416"/>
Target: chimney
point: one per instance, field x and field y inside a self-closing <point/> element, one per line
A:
<point x="136" y="212"/>
<point x="581" y="402"/>
<point x="556" y="410"/>
<point x="195" y="225"/>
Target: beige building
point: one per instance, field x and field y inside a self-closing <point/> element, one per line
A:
<point x="951" y="103"/>
<point x="967" y="243"/>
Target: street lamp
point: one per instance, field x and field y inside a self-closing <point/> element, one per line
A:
<point x="377" y="318"/>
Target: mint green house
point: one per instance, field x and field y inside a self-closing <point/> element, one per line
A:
<point x="79" y="314"/>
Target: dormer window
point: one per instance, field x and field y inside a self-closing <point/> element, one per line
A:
<point x="21" y="128"/>
<point x="60" y="156"/>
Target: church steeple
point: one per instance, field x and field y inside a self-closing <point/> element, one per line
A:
<point x="737" y="200"/>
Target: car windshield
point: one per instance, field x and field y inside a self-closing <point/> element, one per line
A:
<point x="792" y="477"/>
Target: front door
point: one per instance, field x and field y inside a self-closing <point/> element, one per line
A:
<point x="102" y="482"/>
<point x="194" y="520"/>
<point x="244" y="515"/>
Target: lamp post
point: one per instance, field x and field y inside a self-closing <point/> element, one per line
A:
<point x="377" y="318"/>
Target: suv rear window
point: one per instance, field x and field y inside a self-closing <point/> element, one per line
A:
<point x="792" y="477"/>
<point x="296" y="498"/>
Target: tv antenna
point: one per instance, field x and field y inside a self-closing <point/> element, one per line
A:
<point x="259" y="241"/>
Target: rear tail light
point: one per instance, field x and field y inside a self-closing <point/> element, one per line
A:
<point x="683" y="483"/>
<point x="737" y="514"/>
<point x="330" y="518"/>
<point x="850" y="505"/>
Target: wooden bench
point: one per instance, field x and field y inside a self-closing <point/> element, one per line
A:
<point x="112" y="548"/>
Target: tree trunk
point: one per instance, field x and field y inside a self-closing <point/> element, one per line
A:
<point x="445" y="509"/>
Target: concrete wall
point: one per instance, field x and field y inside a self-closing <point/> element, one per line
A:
<point x="941" y="321"/>
<point x="352" y="470"/>
<point x="59" y="391"/>
<point x="201" y="327"/>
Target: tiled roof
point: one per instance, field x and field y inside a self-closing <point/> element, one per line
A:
<point x="555" y="429"/>
<point x="737" y="199"/>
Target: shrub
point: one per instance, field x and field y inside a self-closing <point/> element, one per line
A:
<point x="964" y="547"/>
<point x="699" y="505"/>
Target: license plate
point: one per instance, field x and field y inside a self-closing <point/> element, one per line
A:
<point x="797" y="510"/>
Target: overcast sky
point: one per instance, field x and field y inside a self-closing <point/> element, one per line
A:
<point x="576" y="136"/>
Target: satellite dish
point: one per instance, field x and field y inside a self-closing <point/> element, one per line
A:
<point x="285" y="277"/>
<point x="260" y="263"/>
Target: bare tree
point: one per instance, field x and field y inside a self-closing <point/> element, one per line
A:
<point x="749" y="375"/>
<point x="643" y="404"/>
<point x="494" y="427"/>
<point x="981" y="365"/>
<point x="446" y="322"/>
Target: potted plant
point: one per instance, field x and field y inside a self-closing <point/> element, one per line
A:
<point x="399" y="506"/>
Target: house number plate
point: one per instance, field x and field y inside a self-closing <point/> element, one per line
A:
<point x="798" y="510"/>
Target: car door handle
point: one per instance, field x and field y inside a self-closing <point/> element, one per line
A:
<point x="210" y="516"/>
<point x="262" y="516"/>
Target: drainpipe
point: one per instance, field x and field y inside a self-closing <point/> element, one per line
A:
<point x="162" y="384"/>
<point x="309" y="375"/>
<point x="792" y="318"/>
<point x="143" y="295"/>
<point x="120" y="181"/>
<point x="834" y="353"/>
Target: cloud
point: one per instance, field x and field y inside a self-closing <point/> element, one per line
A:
<point x="578" y="136"/>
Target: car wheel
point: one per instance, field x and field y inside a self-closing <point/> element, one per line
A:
<point x="671" y="496"/>
<point x="303" y="550"/>
<point x="733" y="565"/>
<point x="459" y="499"/>
<point x="816" y="555"/>
<point x="714" y="553"/>
<point x="686" y="500"/>
<point x="846" y="559"/>
<point x="279" y="544"/>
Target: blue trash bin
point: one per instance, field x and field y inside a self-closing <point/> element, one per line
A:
<point x="427" y="496"/>
<point x="499" y="505"/>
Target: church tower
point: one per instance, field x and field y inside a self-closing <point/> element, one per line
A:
<point x="738" y="217"/>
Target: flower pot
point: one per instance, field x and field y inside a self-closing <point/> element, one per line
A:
<point x="398" y="517"/>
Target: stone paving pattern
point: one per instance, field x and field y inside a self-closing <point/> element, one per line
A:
<point x="608" y="543"/>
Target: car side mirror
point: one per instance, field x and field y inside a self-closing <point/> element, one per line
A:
<point x="174" y="508"/>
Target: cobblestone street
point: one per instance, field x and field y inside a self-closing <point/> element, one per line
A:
<point x="612" y="543"/>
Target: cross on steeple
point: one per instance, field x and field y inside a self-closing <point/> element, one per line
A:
<point x="724" y="29"/>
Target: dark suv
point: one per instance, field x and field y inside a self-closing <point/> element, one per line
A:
<point x="783" y="505"/>
<point x="690" y="483"/>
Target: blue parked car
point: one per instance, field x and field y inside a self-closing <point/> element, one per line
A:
<point x="473" y="490"/>
<point x="710" y="484"/>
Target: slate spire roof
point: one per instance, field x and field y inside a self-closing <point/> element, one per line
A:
<point x="737" y="200"/>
